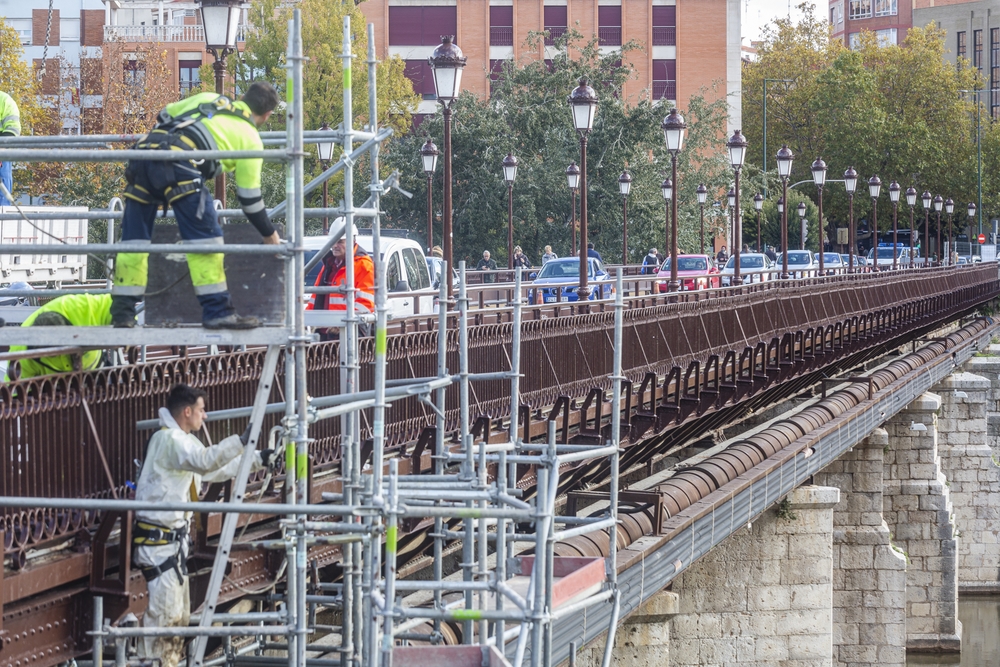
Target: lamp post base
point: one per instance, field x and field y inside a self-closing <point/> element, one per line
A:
<point x="673" y="286"/>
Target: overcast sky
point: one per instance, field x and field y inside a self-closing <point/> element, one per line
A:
<point x="758" y="13"/>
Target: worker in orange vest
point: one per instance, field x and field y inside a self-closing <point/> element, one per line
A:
<point x="334" y="274"/>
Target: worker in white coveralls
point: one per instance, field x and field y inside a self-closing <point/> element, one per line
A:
<point x="176" y="463"/>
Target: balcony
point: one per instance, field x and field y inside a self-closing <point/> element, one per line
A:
<point x="161" y="33"/>
<point x="664" y="35"/>
<point x="501" y="36"/>
<point x="555" y="32"/>
<point x="664" y="90"/>
<point x="609" y="36"/>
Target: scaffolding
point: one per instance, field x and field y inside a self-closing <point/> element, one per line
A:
<point x="499" y="605"/>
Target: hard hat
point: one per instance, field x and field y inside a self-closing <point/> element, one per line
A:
<point x="337" y="228"/>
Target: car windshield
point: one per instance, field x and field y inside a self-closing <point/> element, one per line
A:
<point x="831" y="258"/>
<point x="568" y="270"/>
<point x="747" y="262"/>
<point x="885" y="253"/>
<point x="798" y="258"/>
<point x="687" y="264"/>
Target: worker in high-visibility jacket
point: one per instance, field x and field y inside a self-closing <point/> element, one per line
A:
<point x="175" y="465"/>
<point x="10" y="126"/>
<point x="78" y="310"/>
<point x="334" y="274"/>
<point x="201" y="122"/>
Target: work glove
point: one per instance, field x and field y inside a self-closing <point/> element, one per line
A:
<point x="268" y="459"/>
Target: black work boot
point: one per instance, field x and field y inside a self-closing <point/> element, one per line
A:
<point x="123" y="311"/>
<point x="232" y="321"/>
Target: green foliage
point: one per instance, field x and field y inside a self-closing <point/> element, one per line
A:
<point x="528" y="115"/>
<point x="784" y="510"/>
<point x="894" y="111"/>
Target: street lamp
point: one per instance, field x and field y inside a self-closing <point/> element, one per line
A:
<point x="925" y="199"/>
<point x="573" y="179"/>
<point x="509" y="174"/>
<point x="972" y="217"/>
<point x="894" y="198"/>
<point x="730" y="208"/>
<point x="874" y="188"/>
<point x="702" y="193"/>
<point x="818" y="169"/>
<point x="583" y="103"/>
<point x="673" y="133"/>
<point x="429" y="156"/>
<point x="938" y="205"/>
<point x="850" y="184"/>
<point x="325" y="150"/>
<point x="949" y="208"/>
<point x="447" y="63"/>
<point x="737" y="146"/>
<point x="784" y="159"/>
<point x="220" y="19"/>
<point x="667" y="188"/>
<point x="802" y="223"/>
<point x="624" y="186"/>
<point x="758" y="203"/>
<point x="911" y="200"/>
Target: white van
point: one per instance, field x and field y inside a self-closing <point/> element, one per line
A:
<point x="406" y="269"/>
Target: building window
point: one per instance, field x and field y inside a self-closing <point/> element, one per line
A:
<point x="886" y="37"/>
<point x="189" y="76"/>
<point x="69" y="30"/>
<point x="135" y="73"/>
<point x="421" y="26"/>
<point x="960" y="47"/>
<point x="609" y="26"/>
<point x="23" y="28"/>
<point x="555" y="23"/>
<point x="859" y="9"/>
<point x="496" y="72"/>
<point x="977" y="49"/>
<point x="854" y="41"/>
<point x="664" y="25"/>
<point x="502" y="26"/>
<point x="885" y="7"/>
<point x="420" y="75"/>
<point x="994" y="72"/>
<point x="664" y="80"/>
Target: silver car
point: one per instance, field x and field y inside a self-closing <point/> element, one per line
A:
<point x="755" y="267"/>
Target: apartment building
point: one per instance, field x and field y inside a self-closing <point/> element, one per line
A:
<point x="687" y="45"/>
<point x="888" y="19"/>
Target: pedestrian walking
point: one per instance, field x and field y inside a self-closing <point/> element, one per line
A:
<point x="487" y="264"/>
<point x="520" y="259"/>
<point x="548" y="255"/>
<point x="651" y="262"/>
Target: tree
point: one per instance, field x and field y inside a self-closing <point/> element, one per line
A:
<point x="894" y="111"/>
<point x="527" y="114"/>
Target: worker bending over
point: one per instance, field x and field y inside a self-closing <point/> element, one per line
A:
<point x="10" y="126"/>
<point x="78" y="310"/>
<point x="334" y="274"/>
<point x="176" y="464"/>
<point x="201" y="122"/>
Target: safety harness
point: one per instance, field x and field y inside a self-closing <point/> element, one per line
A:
<point x="183" y="132"/>
<point x="145" y="534"/>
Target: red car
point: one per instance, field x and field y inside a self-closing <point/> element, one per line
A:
<point x="693" y="272"/>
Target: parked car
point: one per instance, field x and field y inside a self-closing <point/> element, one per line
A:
<point x="860" y="264"/>
<point x="558" y="278"/>
<point x="693" y="272"/>
<point x="801" y="263"/>
<point x="406" y="270"/>
<point x="754" y="267"/>
<point x="885" y="254"/>
<point x="833" y="263"/>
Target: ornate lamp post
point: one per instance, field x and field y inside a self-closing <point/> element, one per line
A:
<point x="926" y="199"/>
<point x="624" y="186"/>
<point x="220" y="19"/>
<point x="949" y="208"/>
<point x="573" y="179"/>
<point x="874" y="188"/>
<point x="731" y="208"/>
<point x="802" y="224"/>
<point x="850" y="184"/>
<point x="938" y="205"/>
<point x="667" y="188"/>
<point x="509" y="174"/>
<point x="447" y="63"/>
<point x="429" y="156"/>
<point x="583" y="103"/>
<point x="758" y="203"/>
<point x="784" y="159"/>
<point x="894" y="198"/>
<point x="818" y="169"/>
<point x="737" y="146"/>
<point x="911" y="199"/>
<point x="673" y="133"/>
<point x="972" y="219"/>
<point x="702" y="193"/>
<point x="325" y="150"/>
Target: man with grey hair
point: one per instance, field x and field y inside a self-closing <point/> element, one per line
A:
<point x="487" y="264"/>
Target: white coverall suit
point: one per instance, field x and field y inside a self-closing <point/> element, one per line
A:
<point x="176" y="463"/>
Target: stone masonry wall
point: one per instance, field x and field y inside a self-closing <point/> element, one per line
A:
<point x="763" y="598"/>
<point x="973" y="478"/>
<point x="869" y="576"/>
<point x="917" y="509"/>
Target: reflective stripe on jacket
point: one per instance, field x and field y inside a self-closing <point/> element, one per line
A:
<point x="364" y="284"/>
